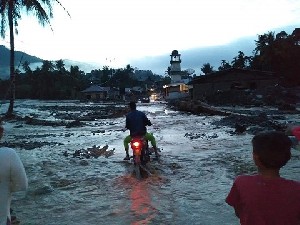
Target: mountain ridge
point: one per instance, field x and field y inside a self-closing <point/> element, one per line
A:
<point x="19" y="58"/>
<point x="34" y="61"/>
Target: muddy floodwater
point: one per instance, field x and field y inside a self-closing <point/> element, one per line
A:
<point x="199" y="161"/>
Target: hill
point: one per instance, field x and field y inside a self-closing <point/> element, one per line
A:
<point x="35" y="62"/>
<point x="20" y="57"/>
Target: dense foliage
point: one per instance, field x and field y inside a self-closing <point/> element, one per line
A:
<point x="278" y="53"/>
<point x="53" y="81"/>
<point x="11" y="12"/>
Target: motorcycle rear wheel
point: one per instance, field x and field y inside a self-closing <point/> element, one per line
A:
<point x="137" y="171"/>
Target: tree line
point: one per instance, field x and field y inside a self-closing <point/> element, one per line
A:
<point x="11" y="12"/>
<point x="278" y="53"/>
<point x="52" y="81"/>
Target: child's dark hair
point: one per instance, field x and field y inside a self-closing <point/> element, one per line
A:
<point x="273" y="148"/>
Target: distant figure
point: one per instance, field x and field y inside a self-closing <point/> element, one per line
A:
<point x="136" y="122"/>
<point x="267" y="198"/>
<point x="12" y="179"/>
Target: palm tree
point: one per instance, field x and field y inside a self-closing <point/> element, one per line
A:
<point x="224" y="65"/>
<point x="207" y="68"/>
<point x="264" y="50"/>
<point x="60" y="66"/>
<point x="10" y="11"/>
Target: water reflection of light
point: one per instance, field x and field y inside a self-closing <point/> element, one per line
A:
<point x="142" y="210"/>
<point x="141" y="206"/>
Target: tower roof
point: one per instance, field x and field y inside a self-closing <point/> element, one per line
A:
<point x="175" y="52"/>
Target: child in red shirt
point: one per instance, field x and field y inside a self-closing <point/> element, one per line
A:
<point x="267" y="198"/>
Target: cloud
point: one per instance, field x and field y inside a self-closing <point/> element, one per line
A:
<point x="194" y="58"/>
<point x="132" y="29"/>
<point x="157" y="61"/>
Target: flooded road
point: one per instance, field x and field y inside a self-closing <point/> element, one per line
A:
<point x="188" y="185"/>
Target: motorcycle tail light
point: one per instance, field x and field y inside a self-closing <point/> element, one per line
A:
<point x="135" y="145"/>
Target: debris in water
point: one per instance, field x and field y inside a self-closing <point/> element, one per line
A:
<point x="93" y="152"/>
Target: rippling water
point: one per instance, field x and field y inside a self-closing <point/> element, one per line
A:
<point x="188" y="186"/>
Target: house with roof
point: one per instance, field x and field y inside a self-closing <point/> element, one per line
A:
<point x="232" y="79"/>
<point x="96" y="93"/>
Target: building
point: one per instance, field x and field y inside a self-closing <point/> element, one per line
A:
<point x="96" y="93"/>
<point x="233" y="78"/>
<point x="178" y="88"/>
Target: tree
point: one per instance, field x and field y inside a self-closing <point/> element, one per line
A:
<point x="123" y="78"/>
<point x="60" y="66"/>
<point x="281" y="35"/>
<point x="76" y="72"/>
<point x="47" y="66"/>
<point x="264" y="51"/>
<point x="106" y="76"/>
<point x="26" y="67"/>
<point x="224" y="65"/>
<point x="207" y="68"/>
<point x="11" y="11"/>
<point x="241" y="61"/>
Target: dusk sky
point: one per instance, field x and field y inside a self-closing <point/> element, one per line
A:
<point x="120" y="32"/>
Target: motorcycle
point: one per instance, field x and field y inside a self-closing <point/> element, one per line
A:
<point x="141" y="156"/>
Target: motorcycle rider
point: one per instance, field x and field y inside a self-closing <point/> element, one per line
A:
<point x="136" y="122"/>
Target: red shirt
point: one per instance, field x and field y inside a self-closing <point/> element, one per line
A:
<point x="296" y="132"/>
<point x="261" y="201"/>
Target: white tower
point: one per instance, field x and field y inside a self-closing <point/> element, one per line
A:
<point x="175" y="68"/>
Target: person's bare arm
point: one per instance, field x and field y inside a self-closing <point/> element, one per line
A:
<point x="19" y="181"/>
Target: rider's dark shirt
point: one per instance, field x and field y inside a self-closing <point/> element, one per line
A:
<point x="136" y="122"/>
